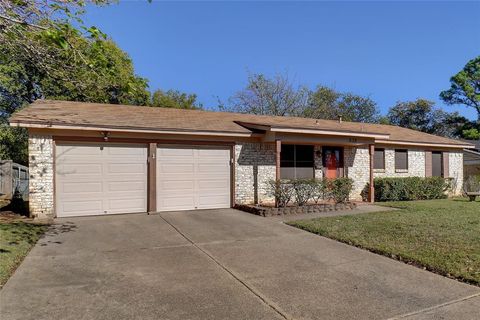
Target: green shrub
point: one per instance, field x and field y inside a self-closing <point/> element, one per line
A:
<point x="320" y="190"/>
<point x="340" y="189"/>
<point x="472" y="184"/>
<point x="304" y="190"/>
<point x="282" y="191"/>
<point x="410" y="188"/>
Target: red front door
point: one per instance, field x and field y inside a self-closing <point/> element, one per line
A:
<point x="332" y="161"/>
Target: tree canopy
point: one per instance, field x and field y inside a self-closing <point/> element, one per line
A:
<point x="423" y="115"/>
<point x="43" y="56"/>
<point x="326" y="103"/>
<point x="279" y="96"/>
<point x="465" y="87"/>
<point x="270" y="96"/>
<point x="174" y="99"/>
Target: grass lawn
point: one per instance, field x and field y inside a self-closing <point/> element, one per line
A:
<point x="442" y="236"/>
<point x="16" y="240"/>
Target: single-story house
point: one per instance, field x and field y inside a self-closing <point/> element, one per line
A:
<point x="471" y="159"/>
<point x="91" y="159"/>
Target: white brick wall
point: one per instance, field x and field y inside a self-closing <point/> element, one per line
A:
<point x="456" y="171"/>
<point x="357" y="167"/>
<point x="416" y="165"/>
<point x="254" y="167"/>
<point x="40" y="152"/>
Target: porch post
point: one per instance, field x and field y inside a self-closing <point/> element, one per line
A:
<point x="278" y="150"/>
<point x="371" y="193"/>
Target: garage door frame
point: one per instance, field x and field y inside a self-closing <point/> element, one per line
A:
<point x="151" y="145"/>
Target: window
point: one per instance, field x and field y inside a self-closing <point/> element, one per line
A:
<point x="296" y="162"/>
<point x="437" y="164"/>
<point x="401" y="160"/>
<point x="379" y="159"/>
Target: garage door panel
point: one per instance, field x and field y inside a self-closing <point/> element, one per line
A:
<point x="81" y="187"/>
<point x="213" y="153"/>
<point x="136" y="152"/>
<point x="173" y="186"/>
<point x="212" y="168"/>
<point x="176" y="167"/>
<point x="100" y="179"/>
<point x="79" y="169"/>
<point x="76" y="208"/>
<point x="126" y="168"/>
<point x="131" y="204"/>
<point x="176" y="203"/>
<point x="211" y="202"/>
<point x="217" y="184"/>
<point x="128" y="186"/>
<point x="175" y="152"/>
<point x="78" y="151"/>
<point x="192" y="178"/>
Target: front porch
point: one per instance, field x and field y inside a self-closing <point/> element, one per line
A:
<point x="258" y="163"/>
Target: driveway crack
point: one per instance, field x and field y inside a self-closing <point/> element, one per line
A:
<point x="272" y="305"/>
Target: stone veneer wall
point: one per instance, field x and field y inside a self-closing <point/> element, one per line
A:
<point x="455" y="166"/>
<point x="416" y="165"/>
<point x="254" y="167"/>
<point x="318" y="163"/>
<point x="40" y="152"/>
<point x="357" y="167"/>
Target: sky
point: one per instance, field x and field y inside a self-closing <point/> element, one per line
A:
<point x="389" y="51"/>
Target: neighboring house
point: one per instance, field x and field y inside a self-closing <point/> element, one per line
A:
<point x="471" y="159"/>
<point x="88" y="159"/>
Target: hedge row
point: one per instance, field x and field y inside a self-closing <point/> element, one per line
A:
<point x="303" y="191"/>
<point x="410" y="188"/>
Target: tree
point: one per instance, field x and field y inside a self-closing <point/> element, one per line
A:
<point x="270" y="96"/>
<point x="422" y="115"/>
<point x="471" y="134"/>
<point x="280" y="97"/>
<point x="174" y="99"/>
<point x="465" y="87"/>
<point x="326" y="103"/>
<point x="416" y="115"/>
<point x="43" y="56"/>
<point x="52" y="18"/>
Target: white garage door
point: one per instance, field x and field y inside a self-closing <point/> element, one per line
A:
<point x="192" y="178"/>
<point x="100" y="179"/>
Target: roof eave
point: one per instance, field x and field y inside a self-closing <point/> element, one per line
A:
<point x="426" y="144"/>
<point x="331" y="132"/>
<point x="23" y="124"/>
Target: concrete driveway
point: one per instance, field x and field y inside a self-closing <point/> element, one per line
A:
<point x="218" y="264"/>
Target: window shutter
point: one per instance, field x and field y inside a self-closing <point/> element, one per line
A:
<point x="401" y="159"/>
<point x="428" y="163"/>
<point x="379" y="159"/>
<point x="446" y="165"/>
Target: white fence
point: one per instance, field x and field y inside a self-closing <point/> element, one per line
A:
<point x="13" y="178"/>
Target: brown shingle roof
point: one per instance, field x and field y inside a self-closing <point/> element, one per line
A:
<point x="67" y="113"/>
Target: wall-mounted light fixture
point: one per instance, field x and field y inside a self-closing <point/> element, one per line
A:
<point x="105" y="135"/>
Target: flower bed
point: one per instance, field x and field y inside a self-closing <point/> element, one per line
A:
<point x="310" y="208"/>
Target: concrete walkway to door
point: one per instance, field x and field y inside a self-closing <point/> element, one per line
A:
<point x="218" y="264"/>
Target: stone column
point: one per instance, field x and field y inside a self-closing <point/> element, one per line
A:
<point x="41" y="159"/>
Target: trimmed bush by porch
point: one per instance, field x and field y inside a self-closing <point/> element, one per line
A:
<point x="410" y="188"/>
<point x="299" y="192"/>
